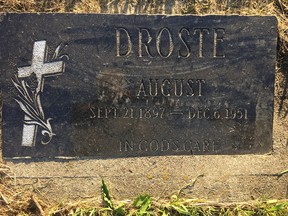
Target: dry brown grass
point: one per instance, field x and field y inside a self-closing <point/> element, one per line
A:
<point x="16" y="201"/>
<point x="87" y="6"/>
<point x="32" y="6"/>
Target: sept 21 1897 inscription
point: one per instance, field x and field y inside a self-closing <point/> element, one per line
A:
<point x="136" y="85"/>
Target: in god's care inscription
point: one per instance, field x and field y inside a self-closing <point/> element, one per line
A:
<point x="135" y="85"/>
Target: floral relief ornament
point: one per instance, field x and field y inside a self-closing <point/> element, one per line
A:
<point x="28" y="85"/>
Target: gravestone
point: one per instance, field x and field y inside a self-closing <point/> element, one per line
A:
<point x="136" y="85"/>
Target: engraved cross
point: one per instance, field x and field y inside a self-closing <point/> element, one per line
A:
<point x="41" y="70"/>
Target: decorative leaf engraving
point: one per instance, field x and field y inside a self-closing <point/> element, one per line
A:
<point x="27" y="100"/>
<point x="57" y="53"/>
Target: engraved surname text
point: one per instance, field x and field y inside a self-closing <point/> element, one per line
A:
<point x="165" y="43"/>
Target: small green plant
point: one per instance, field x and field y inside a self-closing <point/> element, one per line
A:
<point x="142" y="204"/>
<point x="140" y="207"/>
<point x="108" y="204"/>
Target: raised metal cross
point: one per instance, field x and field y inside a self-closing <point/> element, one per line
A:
<point x="41" y="70"/>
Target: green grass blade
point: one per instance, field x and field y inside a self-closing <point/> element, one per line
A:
<point x="106" y="196"/>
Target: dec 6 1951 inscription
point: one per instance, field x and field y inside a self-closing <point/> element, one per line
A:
<point x="135" y="85"/>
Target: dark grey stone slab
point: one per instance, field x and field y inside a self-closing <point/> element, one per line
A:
<point x="135" y="85"/>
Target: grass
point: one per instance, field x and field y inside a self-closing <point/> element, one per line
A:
<point x="15" y="202"/>
<point x="143" y="205"/>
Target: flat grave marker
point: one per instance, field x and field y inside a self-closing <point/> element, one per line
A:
<point x="103" y="85"/>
